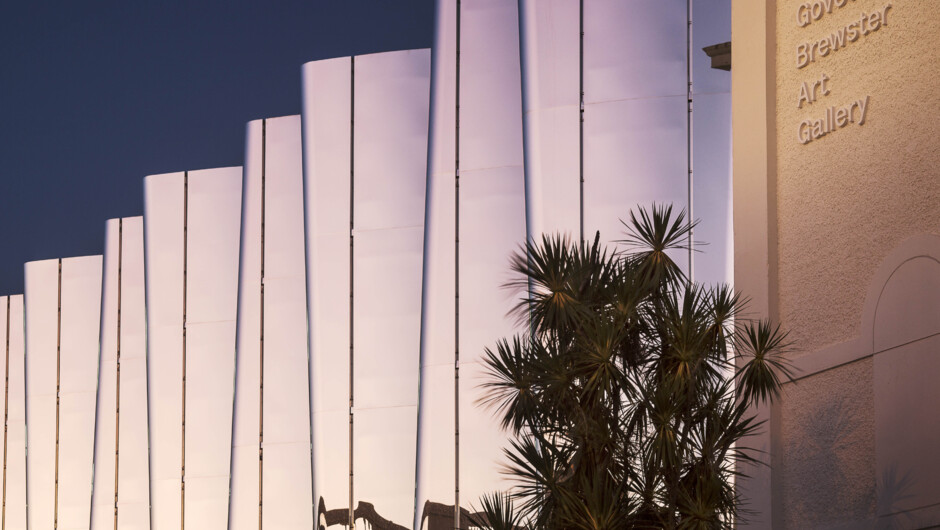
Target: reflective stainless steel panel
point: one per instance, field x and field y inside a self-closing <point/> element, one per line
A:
<point x="212" y="276"/>
<point x="436" y="456"/>
<point x="387" y="317"/>
<point x="550" y="64"/>
<point x="42" y="303"/>
<point x="128" y="447"/>
<point x="634" y="50"/>
<point x="286" y="501"/>
<point x="634" y="153"/>
<point x="14" y="504"/>
<point x="327" y="148"/>
<point x="714" y="257"/>
<point x="163" y="230"/>
<point x="636" y="128"/>
<point x="390" y="157"/>
<point x="491" y="225"/>
<point x="245" y="496"/>
<point x="711" y="140"/>
<point x="81" y="306"/>
<point x="287" y="498"/>
<point x="210" y="202"/>
<point x="391" y="120"/>
<point x="76" y="332"/>
<point x="134" y="469"/>
<point x="103" y="493"/>
<point x="635" y="112"/>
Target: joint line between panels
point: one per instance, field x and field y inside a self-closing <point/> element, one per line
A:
<point x="581" y="119"/>
<point x="58" y="372"/>
<point x="6" y="416"/>
<point x="117" y="392"/>
<point x="457" y="275"/>
<point x="264" y="144"/>
<point x="352" y="188"/>
<point x="185" y="289"/>
<point x="690" y="139"/>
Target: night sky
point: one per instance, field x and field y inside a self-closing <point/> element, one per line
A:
<point x="94" y="97"/>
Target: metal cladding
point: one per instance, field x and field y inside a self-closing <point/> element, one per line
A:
<point x="191" y="230"/>
<point x="299" y="343"/>
<point x="606" y="111"/>
<point x="63" y="311"/>
<point x="608" y="98"/>
<point x="271" y="468"/>
<point x="121" y="493"/>
<point x="365" y="152"/>
<point x="711" y="147"/>
<point x="12" y="320"/>
<point x="475" y="220"/>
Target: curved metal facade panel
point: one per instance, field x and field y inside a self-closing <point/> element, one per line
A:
<point x="473" y="224"/>
<point x="121" y="493"/>
<point x="327" y="100"/>
<point x="636" y="110"/>
<point x="14" y="456"/>
<point x="41" y="282"/>
<point x="550" y="51"/>
<point x="192" y="226"/>
<point x="163" y="235"/>
<point x="711" y="145"/>
<point x="632" y="149"/>
<point x="365" y="134"/>
<point x="357" y="265"/>
<point x="63" y="303"/>
<point x="390" y="156"/>
<point x="273" y="491"/>
<point x="636" y="139"/>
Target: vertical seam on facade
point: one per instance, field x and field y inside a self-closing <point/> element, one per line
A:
<point x="352" y="188"/>
<point x="581" y="118"/>
<point x="117" y="393"/>
<point x="457" y="276"/>
<point x="58" y="372"/>
<point x="6" y="416"/>
<point x="183" y="416"/>
<point x="690" y="138"/>
<point x="261" y="337"/>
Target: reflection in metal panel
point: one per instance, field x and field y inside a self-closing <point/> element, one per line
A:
<point x="62" y="323"/>
<point x="272" y="299"/>
<point x="711" y="142"/>
<point x="635" y="144"/>
<point x="634" y="154"/>
<point x="552" y="85"/>
<point x="365" y="134"/>
<point x="636" y="111"/>
<point x="14" y="413"/>
<point x="42" y="306"/>
<point x="192" y="223"/>
<point x="486" y="214"/>
<point x="163" y="237"/>
<point x="121" y="493"/>
<point x="327" y="150"/>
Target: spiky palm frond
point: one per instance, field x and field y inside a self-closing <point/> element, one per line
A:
<point x="621" y="393"/>
<point x="541" y="472"/>
<point x="497" y="513"/>
<point x="510" y="388"/>
<point x="763" y="346"/>
<point x="651" y="235"/>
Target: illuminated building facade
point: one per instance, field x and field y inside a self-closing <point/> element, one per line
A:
<point x="297" y="342"/>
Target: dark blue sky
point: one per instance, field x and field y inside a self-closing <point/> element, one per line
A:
<point x="94" y="97"/>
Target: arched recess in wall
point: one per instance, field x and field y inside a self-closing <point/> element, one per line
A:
<point x="905" y="340"/>
<point x="900" y="330"/>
